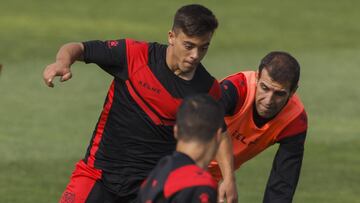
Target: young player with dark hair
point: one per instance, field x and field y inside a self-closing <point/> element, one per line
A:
<point x="135" y="128"/>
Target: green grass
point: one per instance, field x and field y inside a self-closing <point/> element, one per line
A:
<point x="44" y="131"/>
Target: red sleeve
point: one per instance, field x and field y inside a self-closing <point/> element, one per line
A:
<point x="297" y="126"/>
<point x="215" y="91"/>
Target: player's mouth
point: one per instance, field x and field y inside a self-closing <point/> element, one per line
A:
<point x="266" y="109"/>
<point x="191" y="62"/>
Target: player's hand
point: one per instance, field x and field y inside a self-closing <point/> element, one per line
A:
<point x="227" y="190"/>
<point x="56" y="69"/>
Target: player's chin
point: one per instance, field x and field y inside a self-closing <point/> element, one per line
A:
<point x="265" y="113"/>
<point x="187" y="69"/>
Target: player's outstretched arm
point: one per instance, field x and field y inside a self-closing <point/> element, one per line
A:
<point x="66" y="56"/>
<point x="286" y="169"/>
<point x="227" y="188"/>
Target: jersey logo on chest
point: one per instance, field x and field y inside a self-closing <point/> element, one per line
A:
<point x="148" y="86"/>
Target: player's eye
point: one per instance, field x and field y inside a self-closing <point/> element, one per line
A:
<point x="188" y="46"/>
<point x="264" y="87"/>
<point x="280" y="93"/>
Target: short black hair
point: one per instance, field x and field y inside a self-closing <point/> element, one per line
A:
<point x="198" y="118"/>
<point x="194" y="20"/>
<point x="282" y="68"/>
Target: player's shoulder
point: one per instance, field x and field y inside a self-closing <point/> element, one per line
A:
<point x="206" y="83"/>
<point x="188" y="176"/>
<point x="235" y="78"/>
<point x="157" y="45"/>
<point x="137" y="52"/>
<point x="237" y="81"/>
<point x="135" y="41"/>
<point x="191" y="175"/>
<point x="303" y="117"/>
<point x="297" y="126"/>
<point x="301" y="120"/>
<point x="235" y="86"/>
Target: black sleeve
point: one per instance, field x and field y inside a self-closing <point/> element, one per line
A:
<point x="197" y="194"/>
<point x="109" y="55"/>
<point x="285" y="171"/>
<point x="229" y="97"/>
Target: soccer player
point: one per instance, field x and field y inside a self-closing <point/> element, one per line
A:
<point x="181" y="177"/>
<point x="135" y="128"/>
<point x="261" y="109"/>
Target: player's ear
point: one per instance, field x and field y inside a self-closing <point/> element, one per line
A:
<point x="171" y="37"/>
<point x="175" y="131"/>
<point x="293" y="91"/>
<point x="257" y="76"/>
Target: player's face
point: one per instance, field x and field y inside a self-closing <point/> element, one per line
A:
<point x="188" y="50"/>
<point x="271" y="96"/>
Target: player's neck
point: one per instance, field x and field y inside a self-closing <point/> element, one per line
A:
<point x="259" y="120"/>
<point x="199" y="153"/>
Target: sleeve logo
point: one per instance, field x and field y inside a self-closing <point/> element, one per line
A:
<point x="112" y="43"/>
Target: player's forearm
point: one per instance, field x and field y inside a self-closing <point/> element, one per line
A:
<point x="225" y="157"/>
<point x="285" y="171"/>
<point x="70" y="52"/>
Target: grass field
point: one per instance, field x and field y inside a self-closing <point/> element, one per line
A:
<point x="44" y="131"/>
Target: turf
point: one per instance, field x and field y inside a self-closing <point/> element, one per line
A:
<point x="44" y="131"/>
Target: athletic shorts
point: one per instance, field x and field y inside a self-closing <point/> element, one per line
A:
<point x="86" y="186"/>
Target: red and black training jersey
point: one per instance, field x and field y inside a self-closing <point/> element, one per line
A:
<point x="135" y="128"/>
<point x="177" y="178"/>
<point x="287" y="163"/>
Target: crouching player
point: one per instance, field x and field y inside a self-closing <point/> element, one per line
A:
<point x="262" y="109"/>
<point x="182" y="176"/>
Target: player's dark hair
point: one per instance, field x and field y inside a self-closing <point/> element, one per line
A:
<point x="194" y="20"/>
<point x="282" y="68"/>
<point x="198" y="118"/>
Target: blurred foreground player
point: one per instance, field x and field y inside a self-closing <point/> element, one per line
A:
<point x="261" y="109"/>
<point x="181" y="177"/>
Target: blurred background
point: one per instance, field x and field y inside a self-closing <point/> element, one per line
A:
<point x="44" y="131"/>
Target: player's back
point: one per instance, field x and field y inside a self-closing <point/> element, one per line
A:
<point x="176" y="178"/>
